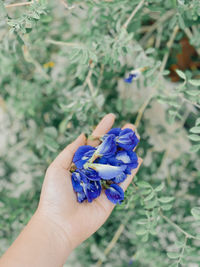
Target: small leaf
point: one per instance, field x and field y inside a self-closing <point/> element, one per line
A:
<point x="166" y="207"/>
<point x="166" y="72"/>
<point x="151" y="205"/>
<point x="194" y="137"/>
<point x="195" y="129"/>
<point x="146" y="191"/>
<point x="194" y="82"/>
<point x="181" y="74"/>
<point x="141" y="231"/>
<point x="143" y="184"/>
<point x="166" y="199"/>
<point x="149" y="197"/>
<point x="142" y="221"/>
<point x="195" y="148"/>
<point x="173" y="255"/>
<point x="145" y="238"/>
<point x="150" y="50"/>
<point x="196" y="212"/>
<point x="193" y="92"/>
<point x="197" y="121"/>
<point x="160" y="187"/>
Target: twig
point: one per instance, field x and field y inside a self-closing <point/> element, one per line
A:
<point x="190" y="102"/>
<point x="20" y="4"/>
<point x="183" y="249"/>
<point x="177" y="227"/>
<point x="141" y="110"/>
<point x="166" y="16"/>
<point x="50" y="41"/>
<point x="169" y="45"/>
<point x="90" y="85"/>
<point x="159" y="35"/>
<point x="190" y="36"/>
<point x="133" y="14"/>
<point x="112" y="242"/>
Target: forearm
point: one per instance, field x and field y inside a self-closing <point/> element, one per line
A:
<point x="41" y="243"/>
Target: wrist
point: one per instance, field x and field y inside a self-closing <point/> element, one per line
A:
<point x="55" y="234"/>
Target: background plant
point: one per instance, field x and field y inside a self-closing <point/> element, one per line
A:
<point x="62" y="68"/>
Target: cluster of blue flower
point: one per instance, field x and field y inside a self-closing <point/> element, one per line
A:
<point x="105" y="166"/>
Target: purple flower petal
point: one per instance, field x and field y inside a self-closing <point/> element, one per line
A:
<point x="106" y="171"/>
<point x="115" y="193"/>
<point x="129" y="79"/>
<point x="119" y="178"/>
<point x="82" y="155"/>
<point x="81" y="196"/>
<point x="127" y="139"/>
<point x="76" y="179"/>
<point x="108" y="147"/>
<point x="115" y="131"/>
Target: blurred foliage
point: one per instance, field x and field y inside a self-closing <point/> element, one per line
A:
<point x="62" y="69"/>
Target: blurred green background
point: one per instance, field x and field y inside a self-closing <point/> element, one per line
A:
<point x="62" y="67"/>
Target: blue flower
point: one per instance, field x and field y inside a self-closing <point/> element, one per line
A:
<point x="127" y="158"/>
<point x="127" y="139"/>
<point x="81" y="196"/>
<point x="107" y="172"/>
<point x="111" y="161"/>
<point x="115" y="193"/>
<point x="134" y="75"/>
<point x="93" y="190"/>
<point x="108" y="147"/>
<point x="129" y="79"/>
<point x="82" y="155"/>
<point x="120" y="178"/>
<point x="115" y="131"/>
<point x="85" y="188"/>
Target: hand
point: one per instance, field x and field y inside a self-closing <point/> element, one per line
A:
<point x="75" y="222"/>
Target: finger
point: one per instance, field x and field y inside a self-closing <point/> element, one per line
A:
<point x="102" y="128"/>
<point x="64" y="159"/>
<point x="129" y="178"/>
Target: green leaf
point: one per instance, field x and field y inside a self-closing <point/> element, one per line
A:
<point x="143" y="184"/>
<point x="195" y="129"/>
<point x="146" y="191"/>
<point x="149" y="197"/>
<point x="160" y="187"/>
<point x="196" y="212"/>
<point x="166" y="72"/>
<point x="142" y="221"/>
<point x="195" y="148"/>
<point x="197" y="121"/>
<point x="141" y="231"/>
<point x="181" y="22"/>
<point x="166" y="207"/>
<point x="151" y="204"/>
<point x="51" y="131"/>
<point x="194" y="137"/>
<point x="166" y="199"/>
<point x="145" y="238"/>
<point x="193" y="92"/>
<point x="3" y="12"/>
<point x="173" y="255"/>
<point x="181" y="74"/>
<point x="194" y="82"/>
<point x="150" y="50"/>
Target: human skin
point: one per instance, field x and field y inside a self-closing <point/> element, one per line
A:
<point x="60" y="223"/>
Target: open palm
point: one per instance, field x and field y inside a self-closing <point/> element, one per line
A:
<point x="58" y="201"/>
